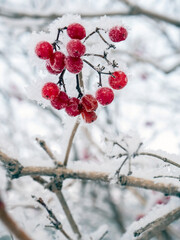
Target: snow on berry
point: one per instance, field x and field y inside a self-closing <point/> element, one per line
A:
<point x="118" y="80"/>
<point x="76" y="31"/>
<point x="89" y="103"/>
<point x="89" y="117"/>
<point x="57" y="61"/>
<point x="50" y="70"/>
<point x="104" y="95"/>
<point x="75" y="48"/>
<point x="61" y="101"/>
<point x="117" y="34"/>
<point x="44" y="50"/>
<point x="50" y="91"/>
<point x="73" y="65"/>
<point x="72" y="108"/>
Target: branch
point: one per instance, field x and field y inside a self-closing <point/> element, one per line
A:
<point x="164" y="159"/>
<point x="151" y="229"/>
<point x="71" y="141"/>
<point x="57" y="190"/>
<point x="11" y="224"/>
<point x="65" y="173"/>
<point x="54" y="221"/>
<point x="44" y="146"/>
<point x="133" y="10"/>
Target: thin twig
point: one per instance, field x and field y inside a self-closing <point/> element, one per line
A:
<point x="54" y="221"/>
<point x="44" y="146"/>
<point x="76" y="125"/>
<point x="53" y="187"/>
<point x="104" y="234"/>
<point x="158" y="225"/>
<point x="67" y="211"/>
<point x="164" y="159"/>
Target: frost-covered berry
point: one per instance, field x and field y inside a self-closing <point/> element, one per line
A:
<point x="75" y="48"/>
<point x="57" y="61"/>
<point x="117" y="34"/>
<point x="50" y="91"/>
<point x="50" y="70"/>
<point x="89" y="103"/>
<point x="118" y="80"/>
<point x="104" y="95"/>
<point x="72" y="108"/>
<point x="44" y="50"/>
<point x="76" y="31"/>
<point x="61" y="101"/>
<point x="73" y="65"/>
<point x="89" y="117"/>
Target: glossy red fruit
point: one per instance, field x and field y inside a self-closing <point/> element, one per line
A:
<point x="117" y="34"/>
<point x="73" y="65"/>
<point x="57" y="61"/>
<point x="50" y="91"/>
<point x="75" y="48"/>
<point x="61" y="101"/>
<point x="72" y="109"/>
<point x="89" y="117"/>
<point x="50" y="70"/>
<point x="76" y="31"/>
<point x="104" y="95"/>
<point x="44" y="50"/>
<point x="89" y="102"/>
<point x="118" y="80"/>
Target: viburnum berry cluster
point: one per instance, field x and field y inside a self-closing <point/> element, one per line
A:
<point x="57" y="63"/>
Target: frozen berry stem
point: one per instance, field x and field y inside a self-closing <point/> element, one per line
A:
<point x="76" y="125"/>
<point x="9" y="222"/>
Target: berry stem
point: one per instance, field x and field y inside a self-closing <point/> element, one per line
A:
<point x="78" y="86"/>
<point x="100" y="80"/>
<point x="97" y="69"/>
<point x="61" y="80"/>
<point x="109" y="45"/>
<point x="97" y="31"/>
<point x="104" y="56"/>
<point x="59" y="31"/>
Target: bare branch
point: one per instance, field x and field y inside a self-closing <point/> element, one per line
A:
<point x="164" y="159"/>
<point x="71" y="141"/>
<point x="158" y="225"/>
<point x="44" y="146"/>
<point x="132" y="11"/>
<point x="54" y="221"/>
<point x="65" y="173"/>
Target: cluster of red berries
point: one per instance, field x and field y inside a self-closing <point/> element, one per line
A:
<point x="58" y="63"/>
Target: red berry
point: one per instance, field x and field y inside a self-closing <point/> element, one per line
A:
<point x="89" y="117"/>
<point x="76" y="31"/>
<point x="50" y="91"/>
<point x="74" y="65"/>
<point x="118" y="81"/>
<point x="104" y="95"/>
<point x="89" y="103"/>
<point x="50" y="70"/>
<point x="61" y="101"/>
<point x="117" y="34"/>
<point x="75" y="48"/>
<point x="44" y="50"/>
<point x="72" y="108"/>
<point x="57" y="61"/>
